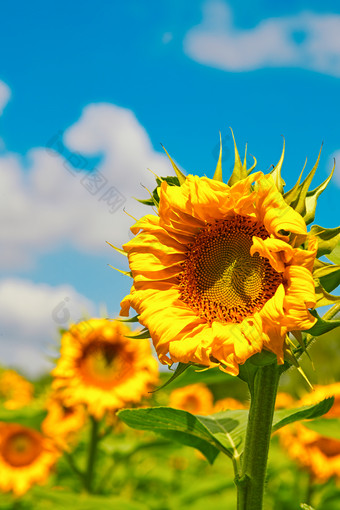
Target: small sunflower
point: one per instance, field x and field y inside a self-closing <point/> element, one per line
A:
<point x="284" y="400"/>
<point x="15" y="391"/>
<point x="103" y="369"/>
<point x="228" y="403"/>
<point x="26" y="457"/>
<point x="62" y="422"/>
<point x="217" y="273"/>
<point x="318" y="454"/>
<point x="195" y="398"/>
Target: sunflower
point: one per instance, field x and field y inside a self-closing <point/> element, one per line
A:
<point x="15" y="391"/>
<point x="284" y="400"/>
<point x="103" y="369"/>
<point x="62" y="422"/>
<point x="319" y="454"/>
<point x="218" y="274"/>
<point x="195" y="398"/>
<point x="228" y="403"/>
<point x="26" y="457"/>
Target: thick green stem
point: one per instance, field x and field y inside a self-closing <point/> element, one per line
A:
<point x="94" y="437"/>
<point x="250" y="485"/>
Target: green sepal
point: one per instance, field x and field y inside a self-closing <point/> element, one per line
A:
<point x="334" y="256"/>
<point x="132" y="319"/>
<point x="253" y="165"/>
<point x="240" y="170"/>
<point x="119" y="250"/>
<point x="126" y="273"/>
<point x="299" y="203"/>
<point x="153" y="201"/>
<point x="247" y="370"/>
<point x="149" y="201"/>
<point x="322" y="326"/>
<point x="276" y="172"/>
<point x="311" y="199"/>
<point x="145" y="333"/>
<point x="218" y="172"/>
<point x="181" y="177"/>
<point x="328" y="239"/>
<point x="328" y="274"/>
<point x="181" y="367"/>
<point x="291" y="195"/>
<point x="323" y="298"/>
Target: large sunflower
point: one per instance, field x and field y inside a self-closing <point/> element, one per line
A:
<point x="103" y="369"/>
<point x="26" y="457"/>
<point x="319" y="454"/>
<point x="217" y="273"/>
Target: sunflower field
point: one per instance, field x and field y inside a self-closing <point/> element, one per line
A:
<point x="241" y="409"/>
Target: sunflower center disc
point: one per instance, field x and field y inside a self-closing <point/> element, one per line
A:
<point x="102" y="364"/>
<point x="21" y="449"/>
<point x="220" y="279"/>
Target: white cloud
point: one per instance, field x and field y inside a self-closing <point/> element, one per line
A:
<point x="46" y="206"/>
<point x="306" y="40"/>
<point x="30" y="316"/>
<point x="336" y="156"/>
<point x="5" y="94"/>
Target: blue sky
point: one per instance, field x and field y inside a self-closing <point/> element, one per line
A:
<point x="103" y="84"/>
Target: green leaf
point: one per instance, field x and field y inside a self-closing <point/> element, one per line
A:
<point x="321" y="326"/>
<point x="27" y="416"/>
<point x="220" y="432"/>
<point x="327" y="427"/>
<point x="176" y="425"/>
<point x="70" y="501"/>
<point x="328" y="238"/>
<point x="283" y="417"/>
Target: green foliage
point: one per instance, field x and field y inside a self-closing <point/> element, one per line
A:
<point x="327" y="427"/>
<point x="220" y="432"/>
<point x="322" y="326"/>
<point x="29" y="416"/>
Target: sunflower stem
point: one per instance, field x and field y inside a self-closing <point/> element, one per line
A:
<point x="94" y="438"/>
<point x="250" y="485"/>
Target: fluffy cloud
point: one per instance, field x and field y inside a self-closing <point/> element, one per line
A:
<point x="306" y="40"/>
<point x="5" y="95"/>
<point x="336" y="156"/>
<point x="48" y="199"/>
<point x="30" y="315"/>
